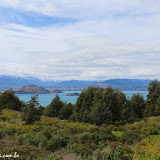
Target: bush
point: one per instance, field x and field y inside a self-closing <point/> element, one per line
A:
<point x="97" y="137"/>
<point x="130" y="136"/>
<point x="47" y="132"/>
<point x="36" y="139"/>
<point x="80" y="149"/>
<point x="149" y="131"/>
<point x="147" y="149"/>
<point x="112" y="128"/>
<point x="56" y="142"/>
<point x="2" y="133"/>
<point x="118" y="154"/>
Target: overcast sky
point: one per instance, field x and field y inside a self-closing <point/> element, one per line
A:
<point x="81" y="40"/>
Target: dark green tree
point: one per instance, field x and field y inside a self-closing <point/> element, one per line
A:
<point x="157" y="107"/>
<point x="126" y="111"/>
<point x="31" y="113"/>
<point x="137" y="106"/>
<point x="115" y="100"/>
<point x="96" y="104"/>
<point x="10" y="101"/>
<point x="100" y="114"/>
<point x="66" y="111"/>
<point x="52" y="110"/>
<point x="76" y="116"/>
<point x="84" y="105"/>
<point x="121" y="102"/>
<point x="152" y="97"/>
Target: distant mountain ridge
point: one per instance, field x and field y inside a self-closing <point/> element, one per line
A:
<point x="126" y="84"/>
<point x="7" y="82"/>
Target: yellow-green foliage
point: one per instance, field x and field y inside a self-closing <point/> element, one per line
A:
<point x="41" y="139"/>
<point x="152" y="122"/>
<point x="118" y="133"/>
<point x="147" y="149"/>
<point x="52" y="138"/>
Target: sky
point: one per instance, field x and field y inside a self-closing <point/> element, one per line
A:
<point x="80" y="40"/>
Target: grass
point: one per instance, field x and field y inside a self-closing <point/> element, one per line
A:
<point x="155" y="137"/>
<point x="118" y="133"/>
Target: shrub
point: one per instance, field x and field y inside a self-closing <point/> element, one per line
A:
<point x="147" y="149"/>
<point x="130" y="136"/>
<point x="47" y="132"/>
<point x="80" y="149"/>
<point x="56" y="142"/>
<point x="2" y="133"/>
<point x="118" y="154"/>
<point x="112" y="127"/>
<point x="149" y="131"/>
<point x="36" y="139"/>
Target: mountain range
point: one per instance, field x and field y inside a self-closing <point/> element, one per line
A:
<point x="7" y="82"/>
<point x="126" y="84"/>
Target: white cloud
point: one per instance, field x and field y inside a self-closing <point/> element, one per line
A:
<point x="113" y="39"/>
<point x="67" y="53"/>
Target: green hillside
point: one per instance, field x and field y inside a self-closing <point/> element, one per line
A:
<point x="52" y="138"/>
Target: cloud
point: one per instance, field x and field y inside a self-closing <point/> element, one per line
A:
<point x="69" y="53"/>
<point x="108" y="39"/>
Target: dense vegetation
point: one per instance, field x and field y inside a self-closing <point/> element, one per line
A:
<point x="103" y="124"/>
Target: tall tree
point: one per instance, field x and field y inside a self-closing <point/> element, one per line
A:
<point x="153" y="95"/>
<point x="31" y="113"/>
<point x="100" y="114"/>
<point x="66" y="111"/>
<point x="157" y="107"/>
<point x="10" y="101"/>
<point x="137" y="105"/>
<point x="96" y="103"/>
<point x="84" y="104"/>
<point x="114" y="100"/>
<point x="52" y="110"/>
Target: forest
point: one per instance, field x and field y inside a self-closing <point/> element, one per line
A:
<point x="103" y="124"/>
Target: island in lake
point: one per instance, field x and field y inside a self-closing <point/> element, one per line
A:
<point x="73" y="94"/>
<point x="31" y="89"/>
<point x="56" y="91"/>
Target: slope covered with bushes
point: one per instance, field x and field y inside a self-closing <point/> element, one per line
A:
<point x="52" y="138"/>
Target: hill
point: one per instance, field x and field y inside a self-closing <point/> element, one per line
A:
<point x="56" y="91"/>
<point x="31" y="89"/>
<point x="52" y="138"/>
<point x="126" y="84"/>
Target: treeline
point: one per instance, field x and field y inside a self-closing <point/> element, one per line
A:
<point x="32" y="110"/>
<point x="108" y="106"/>
<point x="94" y="105"/>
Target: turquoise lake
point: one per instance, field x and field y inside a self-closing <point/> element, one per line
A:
<point x="45" y="99"/>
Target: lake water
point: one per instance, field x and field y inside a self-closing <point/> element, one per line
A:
<point x="45" y="99"/>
